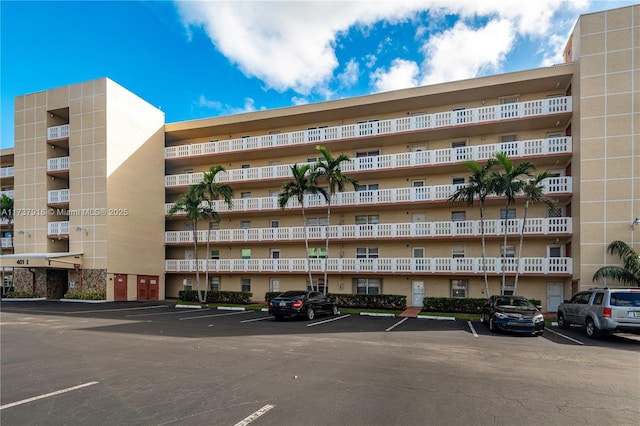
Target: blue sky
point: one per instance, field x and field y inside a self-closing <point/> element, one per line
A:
<point x="203" y="59"/>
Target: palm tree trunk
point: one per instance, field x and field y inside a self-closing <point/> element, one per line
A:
<point x="484" y="250"/>
<point x="195" y="249"/>
<point x="206" y="262"/>
<point x="503" y="253"/>
<point x="524" y="223"/>
<point x="326" y="245"/>
<point x="306" y="245"/>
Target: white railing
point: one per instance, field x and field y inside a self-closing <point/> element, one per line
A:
<point x="7" y="172"/>
<point x="393" y="161"/>
<point x="58" y="228"/>
<point x="58" y="196"/>
<point x="56" y="164"/>
<point x="5" y="242"/>
<point x="485" y="114"/>
<point x="437" y="265"/>
<point x="9" y="193"/>
<point x="556" y="185"/>
<point x="58" y="132"/>
<point x="469" y="228"/>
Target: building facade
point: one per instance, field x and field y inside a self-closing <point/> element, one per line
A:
<point x="96" y="172"/>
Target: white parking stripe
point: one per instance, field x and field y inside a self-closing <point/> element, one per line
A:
<point x="329" y="320"/>
<point x="254" y="416"/>
<point x="46" y="395"/>
<point x="258" y="319"/>
<point x="473" y="330"/>
<point x="397" y="324"/>
<point x="565" y="336"/>
<point x="165" y="313"/>
<point x="215" y="315"/>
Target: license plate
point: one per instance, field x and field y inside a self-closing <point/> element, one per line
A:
<point x="634" y="314"/>
<point x="282" y="304"/>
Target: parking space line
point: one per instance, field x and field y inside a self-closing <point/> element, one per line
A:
<point x="397" y="324"/>
<point x="329" y="320"/>
<point x="254" y="416"/>
<point x="258" y="319"/>
<point x="565" y="336"/>
<point x="47" y="395"/>
<point x="215" y="315"/>
<point x="473" y="330"/>
<point x="164" y="313"/>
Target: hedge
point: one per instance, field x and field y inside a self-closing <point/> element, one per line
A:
<point x="378" y="301"/>
<point x="233" y="297"/>
<point x="458" y="305"/>
<point x="84" y="296"/>
<point x="20" y="295"/>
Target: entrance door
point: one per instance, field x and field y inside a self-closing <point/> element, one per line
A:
<point x="554" y="296"/>
<point x="120" y="287"/>
<point x="417" y="294"/>
<point x="147" y="287"/>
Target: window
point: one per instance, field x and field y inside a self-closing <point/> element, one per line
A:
<point x="367" y="219"/>
<point x="245" y="166"/>
<point x="187" y="283"/>
<point x="274" y="223"/>
<point x="508" y="138"/>
<point x="508" y="99"/>
<point x="188" y="226"/>
<point x="274" y="284"/>
<point x="458" y="144"/>
<point x="458" y="252"/>
<point x="313" y="159"/>
<point x="418" y="147"/>
<point x="418" y="254"/>
<point x="245" y="284"/>
<point x="213" y="226"/>
<point x="246" y="254"/>
<point x="597" y="299"/>
<point x="508" y="250"/>
<point x="274" y="253"/>
<point x="366" y="158"/>
<point x="317" y="252"/>
<point x="367" y="285"/>
<point x="367" y="187"/>
<point x="581" y="298"/>
<point x="555" y="251"/>
<point x="274" y="193"/>
<point x="507" y="214"/>
<point x="458" y="216"/>
<point x="554" y="212"/>
<point x="215" y="254"/>
<point x="245" y="224"/>
<point x="245" y="195"/>
<point x="317" y="221"/>
<point x="367" y="253"/>
<point x="188" y="254"/>
<point x="457" y="181"/>
<point x="459" y="288"/>
<point x="508" y="289"/>
<point x="367" y="154"/>
<point x="214" y="283"/>
<point x="188" y="171"/>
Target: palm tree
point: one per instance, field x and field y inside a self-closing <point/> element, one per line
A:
<point x="478" y="187"/>
<point x="532" y="189"/>
<point x="6" y="212"/>
<point x="508" y="184"/>
<point x="210" y="191"/>
<point x="301" y="185"/>
<point x="191" y="203"/>
<point x="329" y="168"/>
<point x="629" y="273"/>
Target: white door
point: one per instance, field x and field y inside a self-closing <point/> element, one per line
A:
<point x="417" y="294"/>
<point x="554" y="296"/>
<point x="274" y="284"/>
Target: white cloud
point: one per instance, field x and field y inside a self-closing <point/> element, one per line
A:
<point x="349" y="76"/>
<point x="401" y="75"/>
<point x="203" y="102"/>
<point x="219" y="107"/>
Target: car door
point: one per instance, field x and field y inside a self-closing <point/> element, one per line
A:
<point x="577" y="306"/>
<point x="315" y="300"/>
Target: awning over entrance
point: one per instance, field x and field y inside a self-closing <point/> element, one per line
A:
<point x="42" y="260"/>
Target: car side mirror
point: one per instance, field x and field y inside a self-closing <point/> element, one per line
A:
<point x="539" y="307"/>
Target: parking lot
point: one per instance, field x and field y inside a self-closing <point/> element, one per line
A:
<point x="151" y="363"/>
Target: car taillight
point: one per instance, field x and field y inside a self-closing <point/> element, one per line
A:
<point x="271" y="303"/>
<point x="606" y="312"/>
<point x="297" y="304"/>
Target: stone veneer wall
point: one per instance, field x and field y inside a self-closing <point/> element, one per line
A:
<point x="23" y="281"/>
<point x="93" y="281"/>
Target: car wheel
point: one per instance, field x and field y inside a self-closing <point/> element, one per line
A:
<point x="591" y="329"/>
<point x="492" y="325"/>
<point x="335" y="310"/>
<point x="561" y="322"/>
<point x="311" y="314"/>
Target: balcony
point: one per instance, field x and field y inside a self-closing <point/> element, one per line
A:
<point x="531" y="266"/>
<point x="9" y="193"/>
<point x="535" y="147"/>
<point x="58" y="132"/>
<point x="58" y="196"/>
<point x="5" y="242"/>
<point x="7" y="172"/>
<point x="58" y="164"/>
<point x="485" y="114"/>
<point x="431" y="230"/>
<point x="58" y="228"/>
<point x="552" y="186"/>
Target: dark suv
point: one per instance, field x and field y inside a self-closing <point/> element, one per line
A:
<point x="602" y="310"/>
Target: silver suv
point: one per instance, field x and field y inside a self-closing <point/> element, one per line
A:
<point x="602" y="310"/>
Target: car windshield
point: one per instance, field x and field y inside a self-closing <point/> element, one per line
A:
<point x="514" y="302"/>
<point x="625" y="299"/>
<point x="295" y="293"/>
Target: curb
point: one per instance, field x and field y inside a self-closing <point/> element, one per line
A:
<point x="431" y="317"/>
<point x="188" y="306"/>
<point x="22" y="299"/>
<point x="376" y="314"/>
<point x="230" y="308"/>
<point x="82" y="301"/>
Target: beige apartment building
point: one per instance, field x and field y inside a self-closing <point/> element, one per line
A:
<point x="95" y="171"/>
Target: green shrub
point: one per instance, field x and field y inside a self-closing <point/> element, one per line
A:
<point x="84" y="296"/>
<point x="20" y="295"/>
<point x="370" y="301"/>
<point x="233" y="297"/>
<point x="454" y="305"/>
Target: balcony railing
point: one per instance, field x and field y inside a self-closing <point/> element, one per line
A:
<point x="438" y="265"/>
<point x="433" y="157"/>
<point x="57" y="164"/>
<point x="58" y="132"/>
<point x="470" y="228"/>
<point x="5" y="242"/>
<point x="556" y="185"/>
<point x="58" y="196"/>
<point x="6" y="172"/>
<point x="485" y="114"/>
<point x="58" y="228"/>
<point x="9" y="193"/>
